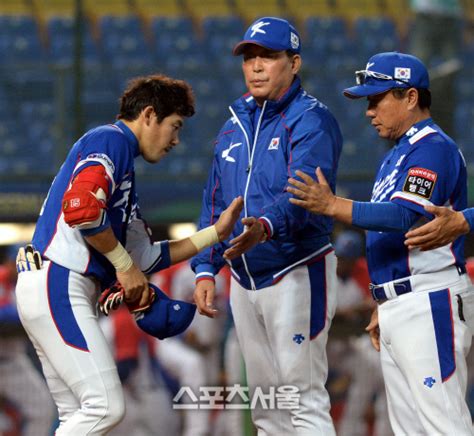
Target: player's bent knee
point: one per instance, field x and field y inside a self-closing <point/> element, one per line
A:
<point x="106" y="411"/>
<point x="116" y="413"/>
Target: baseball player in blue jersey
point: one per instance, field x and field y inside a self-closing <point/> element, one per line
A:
<point x="420" y="325"/>
<point x="282" y="263"/>
<point x="89" y="234"/>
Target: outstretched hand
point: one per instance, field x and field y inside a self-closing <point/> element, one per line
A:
<point x="226" y="222"/>
<point x="313" y="195"/>
<point x="251" y="236"/>
<point x="447" y="226"/>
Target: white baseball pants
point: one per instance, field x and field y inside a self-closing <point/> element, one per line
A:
<point x="424" y="344"/>
<point x="57" y="308"/>
<point x="282" y="331"/>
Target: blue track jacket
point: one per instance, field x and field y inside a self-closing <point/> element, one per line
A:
<point x="256" y="152"/>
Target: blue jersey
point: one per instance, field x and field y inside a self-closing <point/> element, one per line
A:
<point x="114" y="147"/>
<point x="425" y="167"/>
<point x="256" y="151"/>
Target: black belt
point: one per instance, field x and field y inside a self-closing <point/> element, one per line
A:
<point x="400" y="288"/>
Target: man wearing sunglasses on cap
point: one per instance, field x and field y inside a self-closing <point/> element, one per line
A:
<point x="419" y="326"/>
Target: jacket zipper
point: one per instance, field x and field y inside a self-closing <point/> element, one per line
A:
<point x="249" y="171"/>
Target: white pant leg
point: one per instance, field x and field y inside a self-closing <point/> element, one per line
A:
<point x="260" y="364"/>
<point x="275" y="326"/>
<point x="402" y="409"/>
<point x="21" y="382"/>
<point x="423" y="337"/>
<point x="57" y="309"/>
<point x="382" y="425"/>
<point x="189" y="367"/>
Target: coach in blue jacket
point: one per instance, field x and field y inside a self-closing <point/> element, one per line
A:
<point x="282" y="262"/>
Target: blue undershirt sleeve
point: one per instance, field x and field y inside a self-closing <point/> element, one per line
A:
<point x="383" y="217"/>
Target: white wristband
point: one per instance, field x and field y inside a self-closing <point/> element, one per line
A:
<point x="205" y="238"/>
<point x="119" y="258"/>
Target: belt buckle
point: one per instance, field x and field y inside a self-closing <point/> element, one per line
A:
<point x="372" y="289"/>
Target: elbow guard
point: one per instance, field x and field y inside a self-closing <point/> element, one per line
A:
<point x="84" y="203"/>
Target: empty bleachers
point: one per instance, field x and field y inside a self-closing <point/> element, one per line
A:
<point x="191" y="40"/>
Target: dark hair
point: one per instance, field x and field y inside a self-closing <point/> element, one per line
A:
<point x="166" y="95"/>
<point x="424" y="96"/>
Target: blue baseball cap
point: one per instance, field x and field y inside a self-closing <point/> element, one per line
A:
<point x="165" y="317"/>
<point x="349" y="244"/>
<point x="389" y="70"/>
<point x="272" y="33"/>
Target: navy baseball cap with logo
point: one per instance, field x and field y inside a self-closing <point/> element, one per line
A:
<point x="272" y="33"/>
<point x="386" y="71"/>
<point x="165" y="317"/>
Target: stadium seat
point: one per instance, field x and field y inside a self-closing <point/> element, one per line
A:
<point x="16" y="8"/>
<point x="19" y="39"/>
<point x="33" y="82"/>
<point x="302" y="9"/>
<point x="180" y="53"/>
<point x="98" y="109"/>
<point x="250" y="10"/>
<point x="36" y="111"/>
<point x="325" y="36"/>
<point x="152" y="9"/>
<point x="324" y="26"/>
<point x="199" y="9"/>
<point x="18" y="25"/>
<point x="174" y="40"/>
<point x="98" y="9"/>
<point x="123" y="41"/>
<point x="218" y="27"/>
<point x="48" y="9"/>
<point x="172" y="26"/>
<point x="374" y="35"/>
<point x="21" y="49"/>
<point x="351" y="9"/>
<point x="61" y="41"/>
<point x="100" y="84"/>
<point x="220" y="34"/>
<point x="400" y="12"/>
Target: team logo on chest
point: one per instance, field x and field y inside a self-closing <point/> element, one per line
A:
<point x="274" y="144"/>
<point x="225" y="153"/>
<point x="385" y="185"/>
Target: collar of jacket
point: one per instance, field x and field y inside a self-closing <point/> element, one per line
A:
<point x="131" y="138"/>
<point x="247" y="103"/>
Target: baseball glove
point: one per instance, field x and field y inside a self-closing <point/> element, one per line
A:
<point x="113" y="297"/>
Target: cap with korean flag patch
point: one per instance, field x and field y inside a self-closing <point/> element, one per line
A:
<point x="385" y="71"/>
<point x="272" y="33"/>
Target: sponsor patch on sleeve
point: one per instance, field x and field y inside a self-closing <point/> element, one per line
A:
<point x="421" y="182"/>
